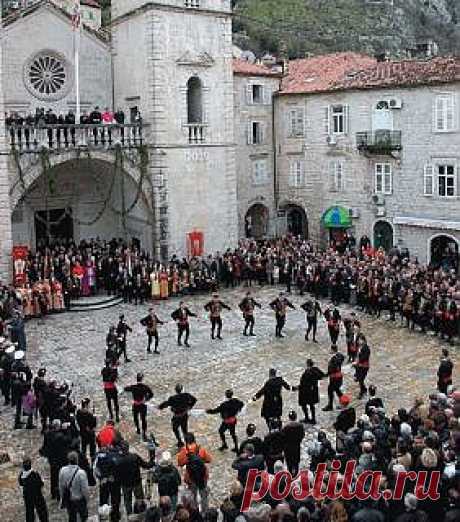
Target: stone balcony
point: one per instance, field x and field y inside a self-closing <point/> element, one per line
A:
<point x="195" y="132"/>
<point x="32" y="138"/>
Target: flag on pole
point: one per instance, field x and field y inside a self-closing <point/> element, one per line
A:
<point x="76" y="16"/>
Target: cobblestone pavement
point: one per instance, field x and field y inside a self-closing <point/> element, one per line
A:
<point x="72" y="347"/>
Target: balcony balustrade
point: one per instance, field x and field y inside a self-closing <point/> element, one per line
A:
<point x="379" y="142"/>
<point x="61" y="137"/>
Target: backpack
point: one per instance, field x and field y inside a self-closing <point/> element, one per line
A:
<point x="196" y="469"/>
<point x="66" y="494"/>
<point x="106" y="462"/>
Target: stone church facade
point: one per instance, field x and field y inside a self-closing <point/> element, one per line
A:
<point x="215" y="147"/>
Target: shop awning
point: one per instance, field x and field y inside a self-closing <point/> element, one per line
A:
<point x="337" y="217"/>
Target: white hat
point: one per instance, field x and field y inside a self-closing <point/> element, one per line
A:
<point x="19" y="355"/>
<point x="410" y="502"/>
<point x="406" y="430"/>
<point x="165" y="459"/>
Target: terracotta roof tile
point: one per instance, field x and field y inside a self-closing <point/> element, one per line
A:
<point x="91" y="3"/>
<point x="344" y="71"/>
<point x="252" y="69"/>
<point x="405" y="73"/>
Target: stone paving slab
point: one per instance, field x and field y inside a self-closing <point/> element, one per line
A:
<point x="72" y="347"/>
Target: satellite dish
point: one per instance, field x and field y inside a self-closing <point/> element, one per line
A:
<point x="248" y="56"/>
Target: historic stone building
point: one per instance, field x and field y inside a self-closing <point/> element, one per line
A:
<point x="378" y="140"/>
<point x="215" y="148"/>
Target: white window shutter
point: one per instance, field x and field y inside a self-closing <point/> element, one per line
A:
<point x="301" y="122"/>
<point x="266" y="94"/>
<point x="302" y="173"/>
<point x="292" y="122"/>
<point x="428" y="180"/>
<point x="388" y="180"/>
<point x="327" y="120"/>
<point x="346" y="119"/>
<point x="438" y="114"/>
<point x="249" y="132"/>
<point x="263" y="132"/>
<point x="451" y="112"/>
<point x="249" y="99"/>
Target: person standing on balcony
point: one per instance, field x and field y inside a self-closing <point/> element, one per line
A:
<point x="119" y="118"/>
<point x="95" y="118"/>
<point x="29" y="122"/>
<point x="107" y="119"/>
<point x="69" y="119"/>
<point x="50" y="119"/>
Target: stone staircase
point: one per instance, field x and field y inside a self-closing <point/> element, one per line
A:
<point x="98" y="302"/>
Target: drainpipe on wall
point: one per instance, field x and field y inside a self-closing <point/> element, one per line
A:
<point x="275" y="159"/>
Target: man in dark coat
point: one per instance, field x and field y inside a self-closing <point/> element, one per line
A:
<point x="214" y="307"/>
<point x="32" y="486"/>
<point x="180" y="403"/>
<point x="122" y="331"/>
<point x="280" y="306"/>
<point x="309" y="392"/>
<point x="274" y="444"/>
<point x="272" y="407"/>
<point x="151" y="323"/>
<point x="312" y="309"/>
<point x="246" y="461"/>
<point x="445" y="372"/>
<point x="362" y="366"/>
<point x="181" y="316"/>
<point x="334" y="371"/>
<point x="346" y="420"/>
<point x="228" y="410"/>
<point x="294" y="433"/>
<point x="247" y="306"/>
<point x="252" y="438"/>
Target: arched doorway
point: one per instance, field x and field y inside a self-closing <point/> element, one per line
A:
<point x="383" y="235"/>
<point x="81" y="199"/>
<point x="444" y="252"/>
<point x="256" y="221"/>
<point x="296" y="221"/>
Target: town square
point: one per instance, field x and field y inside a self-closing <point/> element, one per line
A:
<point x="229" y="260"/>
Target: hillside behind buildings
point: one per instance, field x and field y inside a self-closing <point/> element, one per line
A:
<point x="301" y="27"/>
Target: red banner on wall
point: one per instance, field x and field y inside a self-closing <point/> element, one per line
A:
<point x="19" y="254"/>
<point x="195" y="243"/>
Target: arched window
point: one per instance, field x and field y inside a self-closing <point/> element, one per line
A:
<point x="194" y="100"/>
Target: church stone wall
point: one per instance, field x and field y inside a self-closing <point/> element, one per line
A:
<point x="47" y="30"/>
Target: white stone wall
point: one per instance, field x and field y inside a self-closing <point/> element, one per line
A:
<point x="195" y="184"/>
<point x="420" y="146"/>
<point x="250" y="192"/>
<point x="5" y="216"/>
<point x="46" y="29"/>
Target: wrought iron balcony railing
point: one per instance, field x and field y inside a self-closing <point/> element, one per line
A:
<point x="379" y="142"/>
<point x="27" y="138"/>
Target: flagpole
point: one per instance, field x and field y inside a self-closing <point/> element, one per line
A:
<point x="77" y="30"/>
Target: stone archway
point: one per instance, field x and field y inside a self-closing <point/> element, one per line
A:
<point x="79" y="198"/>
<point x="256" y="221"/>
<point x="383" y="235"/>
<point x="296" y="220"/>
<point x="444" y="251"/>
